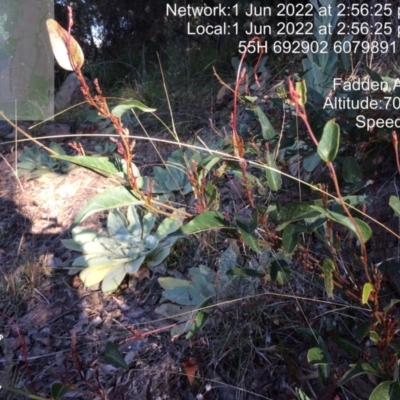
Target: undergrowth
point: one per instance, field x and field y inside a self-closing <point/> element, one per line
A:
<point x="274" y="279"/>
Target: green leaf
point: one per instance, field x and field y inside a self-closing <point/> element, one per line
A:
<point x="364" y="228"/>
<point x="113" y="197"/>
<point x="117" y="223"/>
<point x="204" y="222"/>
<point x="324" y="372"/>
<point x="374" y="75"/>
<point x="94" y="274"/>
<point x="113" y="279"/>
<point x="246" y="230"/>
<point x="329" y="143"/>
<point x="392" y="303"/>
<point x="290" y="238"/>
<point x="328" y="267"/>
<point x="301" y="89"/>
<point x="252" y="273"/>
<point x="199" y="322"/>
<point x="301" y="395"/>
<point x="316" y="356"/>
<point x="374" y="337"/>
<point x="125" y="106"/>
<point x="367" y="290"/>
<point x="360" y="369"/>
<point x="104" y="165"/>
<point x="351" y="170"/>
<point x="228" y="260"/>
<point x="394" y="202"/>
<point x="386" y="391"/>
<point x="171" y="224"/>
<point x="184" y="292"/>
<point x="113" y="356"/>
<point x="134" y="224"/>
<point x="311" y="161"/>
<point x="274" y="178"/>
<point x="362" y="331"/>
<point x="132" y="266"/>
<point x="280" y="271"/>
<point x="267" y="129"/>
<point x="296" y="211"/>
<point x="58" y="390"/>
<point x="157" y="258"/>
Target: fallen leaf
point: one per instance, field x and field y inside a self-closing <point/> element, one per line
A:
<point x="189" y="366"/>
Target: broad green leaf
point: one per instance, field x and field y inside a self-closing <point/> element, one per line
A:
<point x="279" y="271"/>
<point x="133" y="266"/>
<point x="158" y="258"/>
<point x="374" y="75"/>
<point x="113" y="356"/>
<point x="57" y="148"/>
<point x="82" y="234"/>
<point x="58" y="390"/>
<point x="362" y="331"/>
<point x="197" y="324"/>
<point x="252" y="99"/>
<point x="104" y="165"/>
<point x="228" y="260"/>
<point x="274" y="178"/>
<point x="92" y="260"/>
<point x="324" y="373"/>
<point x="125" y="106"/>
<point x="311" y="161"/>
<point x="301" y="89"/>
<point x="290" y="238"/>
<point x="360" y="369"/>
<point x="71" y="244"/>
<point x="252" y="273"/>
<point x="394" y="202"/>
<point x="267" y="129"/>
<point x="212" y="195"/>
<point x="148" y="222"/>
<point x="355" y="200"/>
<point x="93" y="275"/>
<point x="204" y="222"/>
<point x="329" y="143"/>
<point x="110" y="198"/>
<point x="296" y="211"/>
<point x="351" y="170"/>
<point x="363" y="228"/>
<point x="386" y="391"/>
<point x="246" y="231"/>
<point x="368" y="288"/>
<point x="117" y="223"/>
<point x="172" y="283"/>
<point x="113" y="279"/>
<point x="316" y="356"/>
<point x="374" y="337"/>
<point x="134" y="224"/>
<point x="171" y="224"/>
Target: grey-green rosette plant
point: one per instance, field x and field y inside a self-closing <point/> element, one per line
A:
<point x="34" y="162"/>
<point x="174" y="177"/>
<point x="130" y="244"/>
